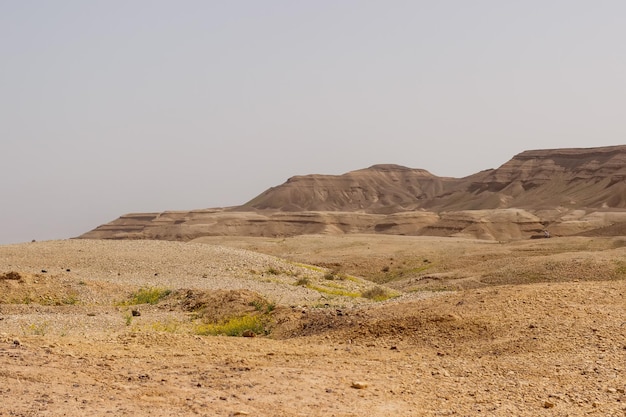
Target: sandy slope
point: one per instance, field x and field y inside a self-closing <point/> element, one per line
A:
<point x="556" y="346"/>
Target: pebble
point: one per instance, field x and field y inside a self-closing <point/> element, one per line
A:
<point x="358" y="385"/>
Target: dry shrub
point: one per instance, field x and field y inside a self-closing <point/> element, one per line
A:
<point x="11" y="275"/>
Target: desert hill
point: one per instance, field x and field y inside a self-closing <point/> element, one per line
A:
<point x="567" y="191"/>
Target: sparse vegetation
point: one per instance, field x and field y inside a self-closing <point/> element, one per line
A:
<point x="377" y="294"/>
<point x="169" y="326"/>
<point x="329" y="276"/>
<point x="263" y="306"/>
<point x="12" y="275"/>
<point x="334" y="291"/>
<point x="304" y="282"/>
<point x="38" y="329"/>
<point x="147" y="295"/>
<point x="236" y="326"/>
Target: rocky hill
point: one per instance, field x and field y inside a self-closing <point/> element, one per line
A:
<point x="567" y="191"/>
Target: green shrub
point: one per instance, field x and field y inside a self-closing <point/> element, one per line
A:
<point x="236" y="326"/>
<point x="148" y="295"/>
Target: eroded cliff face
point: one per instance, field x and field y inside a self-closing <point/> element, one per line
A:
<point x="378" y="189"/>
<point x="568" y="191"/>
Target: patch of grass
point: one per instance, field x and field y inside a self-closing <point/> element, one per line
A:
<point x="69" y="299"/>
<point x="27" y="299"/>
<point x="273" y="271"/>
<point x="169" y="326"/>
<point x="334" y="291"/>
<point x="236" y="326"/>
<point x="387" y="274"/>
<point x="620" y="269"/>
<point x="148" y="295"/>
<point x="377" y="294"/>
<point x="309" y="267"/>
<point x="304" y="282"/>
<point x="38" y="329"/>
<point x="128" y="319"/>
<point x="263" y="306"/>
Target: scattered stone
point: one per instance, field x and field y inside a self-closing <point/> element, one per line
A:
<point x="240" y="413"/>
<point x="611" y="390"/>
<point x="359" y="385"/>
<point x="135" y="313"/>
<point x="248" y="333"/>
<point x="16" y="343"/>
<point x="548" y="404"/>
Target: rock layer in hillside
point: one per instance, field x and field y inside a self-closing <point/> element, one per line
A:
<point x="568" y="191"/>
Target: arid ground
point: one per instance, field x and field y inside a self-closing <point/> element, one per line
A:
<point x="346" y="325"/>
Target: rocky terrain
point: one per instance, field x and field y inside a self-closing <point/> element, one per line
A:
<point x="383" y="291"/>
<point x="567" y="191"/>
<point x="336" y="325"/>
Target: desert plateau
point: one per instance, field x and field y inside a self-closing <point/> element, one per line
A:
<point x="385" y="291"/>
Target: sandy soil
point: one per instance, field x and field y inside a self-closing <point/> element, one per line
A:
<point x="517" y="329"/>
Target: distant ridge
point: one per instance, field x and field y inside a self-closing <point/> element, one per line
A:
<point x="575" y="178"/>
<point x="570" y="191"/>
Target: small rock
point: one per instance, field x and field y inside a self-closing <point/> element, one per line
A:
<point x="135" y="313"/>
<point x="16" y="343"/>
<point x="548" y="404"/>
<point x="241" y="413"/>
<point x="359" y="385"/>
<point x="248" y="333"/>
<point x="611" y="390"/>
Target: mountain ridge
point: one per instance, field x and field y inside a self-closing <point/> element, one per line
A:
<point x="570" y="190"/>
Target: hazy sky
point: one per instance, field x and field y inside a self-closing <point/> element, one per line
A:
<point x="110" y="107"/>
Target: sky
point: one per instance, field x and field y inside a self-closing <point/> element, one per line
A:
<point x="110" y="107"/>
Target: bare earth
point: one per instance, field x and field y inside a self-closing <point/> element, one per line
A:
<point x="525" y="328"/>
